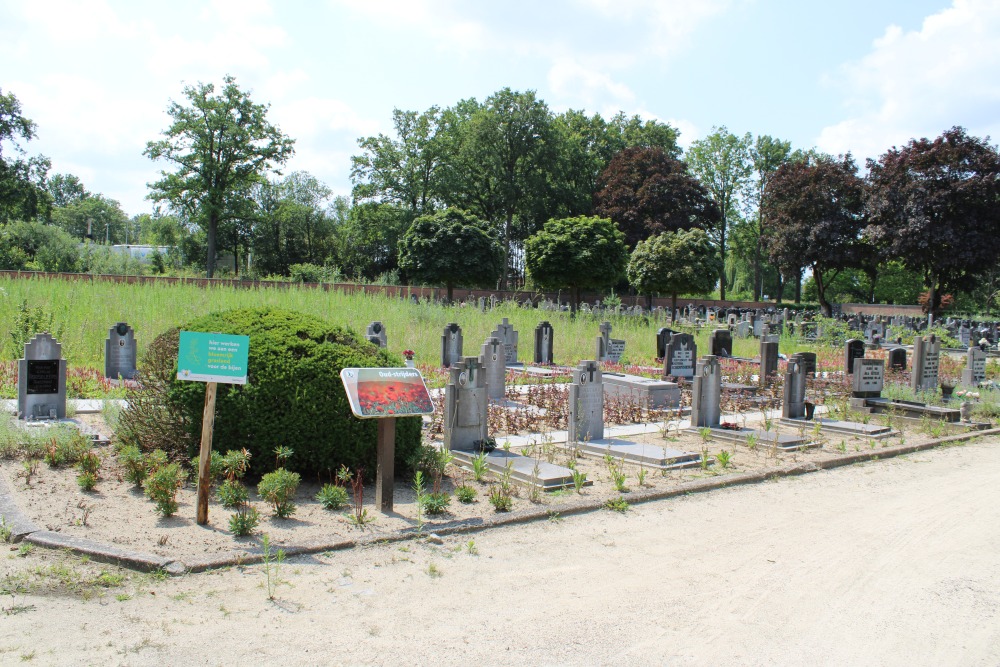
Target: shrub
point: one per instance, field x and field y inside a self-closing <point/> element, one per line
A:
<point x="278" y="488"/>
<point x="134" y="463"/>
<point x="293" y="396"/>
<point x="465" y="493"/>
<point x="244" y="521"/>
<point x="436" y="503"/>
<point x="87" y="480"/>
<point x="161" y="487"/>
<point x="332" y="497"/>
<point x="232" y="493"/>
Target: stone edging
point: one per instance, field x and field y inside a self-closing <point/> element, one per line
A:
<point x="24" y="529"/>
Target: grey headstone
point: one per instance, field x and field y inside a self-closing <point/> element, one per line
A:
<point x="586" y="403"/>
<point x="808" y="362"/>
<point x="507" y="336"/>
<point x="868" y="378"/>
<point x="376" y="334"/>
<point x="793" y="405"/>
<point x="720" y="343"/>
<point x="897" y="359"/>
<point x="494" y="365"/>
<point x="543" y="343"/>
<point x="706" y="393"/>
<point x="451" y="345"/>
<point x="120" y="352"/>
<point x="926" y="359"/>
<point x="975" y="366"/>
<point x="681" y="356"/>
<point x="41" y="379"/>
<point x="466" y="405"/>
<point x="768" y="359"/>
<point x="662" y="339"/>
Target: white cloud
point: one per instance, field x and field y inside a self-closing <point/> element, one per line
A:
<point x="920" y="83"/>
<point x="568" y="78"/>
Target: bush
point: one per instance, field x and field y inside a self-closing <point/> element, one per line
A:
<point x="307" y="273"/>
<point x="278" y="488"/>
<point x="436" y="503"/>
<point x="293" y="396"/>
<point x="244" y="521"/>
<point x="465" y="493"/>
<point x="134" y="463"/>
<point x="332" y="497"/>
<point x="232" y="493"/>
<point x="161" y="487"/>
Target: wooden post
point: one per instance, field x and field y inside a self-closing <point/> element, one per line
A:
<point x="385" y="455"/>
<point x="205" y="458"/>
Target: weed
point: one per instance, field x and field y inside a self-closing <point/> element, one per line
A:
<point x="434" y="571"/>
<point x="29" y="470"/>
<point x="5" y="530"/>
<point x="502" y="492"/>
<point x="579" y="479"/>
<point x="131" y="458"/>
<point x="278" y="488"/>
<point x="842" y="447"/>
<point x="724" y="458"/>
<point x="436" y="503"/>
<point x="232" y="493"/>
<point x="25" y="549"/>
<point x="360" y="517"/>
<point x="272" y="566"/>
<point x="479" y="467"/>
<point x="161" y="487"/>
<point x="419" y="492"/>
<point x="244" y="520"/>
<point x="704" y="458"/>
<point x="641" y="476"/>
<point x="471" y="549"/>
<point x="465" y="494"/>
<point x="618" y="476"/>
<point x="752" y="440"/>
<point x="332" y="497"/>
<point x="705" y="433"/>
<point x="618" y="504"/>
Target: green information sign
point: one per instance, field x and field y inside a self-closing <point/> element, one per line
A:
<point x="212" y="357"/>
<point x="386" y="392"/>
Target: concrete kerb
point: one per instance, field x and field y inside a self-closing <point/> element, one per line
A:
<point x="149" y="562"/>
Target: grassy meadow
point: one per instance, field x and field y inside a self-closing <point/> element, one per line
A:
<point x="84" y="310"/>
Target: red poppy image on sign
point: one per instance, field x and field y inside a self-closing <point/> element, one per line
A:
<point x="386" y="392"/>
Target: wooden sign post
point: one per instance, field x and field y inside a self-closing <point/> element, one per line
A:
<point x="385" y="394"/>
<point x="210" y="358"/>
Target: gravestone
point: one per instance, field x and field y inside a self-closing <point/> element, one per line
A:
<point x="964" y="336"/>
<point x="120" y="352"/>
<point x="586" y="403"/>
<point x="768" y="359"/>
<point x="543" y="343"/>
<point x="680" y="357"/>
<point x="451" y="345"/>
<point x="376" y="334"/>
<point x="793" y="404"/>
<point x="868" y="378"/>
<point x="926" y="358"/>
<point x="808" y="360"/>
<point x="466" y="405"/>
<point x="41" y="379"/>
<point x="494" y="365"/>
<point x="897" y="359"/>
<point x="975" y="366"/>
<point x="507" y="336"/>
<point x="743" y="329"/>
<point x="662" y="339"/>
<point x="706" y="393"/>
<point x="720" y="343"/>
<point x="609" y="349"/>
<point x="853" y="349"/>
<point x="758" y="327"/>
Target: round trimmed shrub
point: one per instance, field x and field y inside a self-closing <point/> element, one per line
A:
<point x="293" y="397"/>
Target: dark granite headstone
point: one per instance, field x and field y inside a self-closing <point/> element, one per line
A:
<point x="853" y="349"/>
<point x="720" y="343"/>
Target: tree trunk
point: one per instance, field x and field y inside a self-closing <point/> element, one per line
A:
<point x="649" y="301"/>
<point x="824" y="306"/>
<point x="505" y="276"/>
<point x="450" y="287"/>
<point x="673" y="306"/>
<point x="757" y="289"/>
<point x="575" y="301"/>
<point x="213" y="228"/>
<point x="722" y="271"/>
<point x="798" y="287"/>
<point x="781" y="288"/>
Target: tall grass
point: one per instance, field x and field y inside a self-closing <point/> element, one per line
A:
<point x="87" y="309"/>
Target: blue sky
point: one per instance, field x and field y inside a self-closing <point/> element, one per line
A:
<point x="97" y="75"/>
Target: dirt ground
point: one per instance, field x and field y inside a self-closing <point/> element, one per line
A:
<point x="895" y="562"/>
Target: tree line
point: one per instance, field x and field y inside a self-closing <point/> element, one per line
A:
<point x="507" y="193"/>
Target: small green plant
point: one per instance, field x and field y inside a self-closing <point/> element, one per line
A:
<point x="705" y="433"/>
<point x="436" y="502"/>
<point x="5" y="530"/>
<point x="724" y="458"/>
<point x="618" y="504"/>
<point x="579" y="480"/>
<point x="360" y="517"/>
<point x="29" y="468"/>
<point x="332" y="497"/>
<point x="278" y="488"/>
<point x="244" y="520"/>
<point x="768" y="422"/>
<point x="479" y="467"/>
<point x="704" y="458"/>
<point x="87" y="481"/>
<point x="842" y="447"/>
<point x="752" y="440"/>
<point x="232" y="493"/>
<point x="434" y="571"/>
<point x="641" y="476"/>
<point x="272" y="566"/>
<point x="420" y="492"/>
<point x="471" y="549"/>
<point x="281" y="454"/>
<point x="502" y="492"/>
<point x="134" y="463"/>
<point x="161" y="487"/>
<point x="618" y="476"/>
<point x="465" y="494"/>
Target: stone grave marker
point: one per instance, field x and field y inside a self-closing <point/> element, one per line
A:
<point x="376" y="334"/>
<point x="41" y="379"/>
<point x="120" y="352"/>
<point x="868" y="378"/>
<point x="451" y="345"/>
<point x="975" y="366"/>
<point x="466" y="405"/>
<point x="586" y="403"/>
<point x="609" y="349"/>
<point x="853" y="349"/>
<point x="662" y="339"/>
<point x="758" y="327"/>
<point x="768" y="359"/>
<point x="494" y="365"/>
<point x="808" y="361"/>
<point x="743" y="329"/>
<point x="543" y="343"/>
<point x="720" y="343"/>
<point x="680" y="357"/>
<point x="964" y="335"/>
<point x="926" y="358"/>
<point x="793" y="404"/>
<point x="507" y="336"/>
<point x="706" y="393"/>
<point x="897" y="359"/>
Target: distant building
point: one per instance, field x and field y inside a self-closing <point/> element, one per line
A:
<point x="140" y="252"/>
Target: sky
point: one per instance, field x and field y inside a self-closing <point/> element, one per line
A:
<point x="856" y="76"/>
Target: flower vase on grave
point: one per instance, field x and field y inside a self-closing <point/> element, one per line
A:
<point x="408" y="359"/>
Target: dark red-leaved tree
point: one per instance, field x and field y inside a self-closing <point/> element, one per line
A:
<point x="814" y="212"/>
<point x="935" y="206"/>
<point x="646" y="192"/>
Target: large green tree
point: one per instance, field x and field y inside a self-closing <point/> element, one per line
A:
<point x="680" y="262"/>
<point x="452" y="247"/>
<point x="721" y="161"/>
<point x="935" y="206"/>
<point x="95" y="217"/>
<point x="220" y="145"/>
<point x="766" y="155"/>
<point x="815" y="214"/>
<point x="23" y="193"/>
<point x="577" y="253"/>
<point x="645" y="191"/>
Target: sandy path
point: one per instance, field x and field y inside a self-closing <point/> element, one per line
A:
<point x="891" y="563"/>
